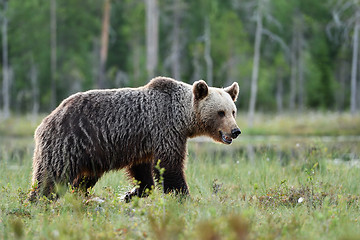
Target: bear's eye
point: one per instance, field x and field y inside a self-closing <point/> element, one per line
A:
<point x="221" y="113"/>
<point x="233" y="113"/>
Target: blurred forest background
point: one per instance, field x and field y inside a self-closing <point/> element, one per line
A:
<point x="287" y="55"/>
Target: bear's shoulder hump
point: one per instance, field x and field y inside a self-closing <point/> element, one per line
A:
<point x="163" y="83"/>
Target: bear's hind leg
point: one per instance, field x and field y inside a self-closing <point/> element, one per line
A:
<point x="142" y="173"/>
<point x="90" y="183"/>
<point x="84" y="183"/>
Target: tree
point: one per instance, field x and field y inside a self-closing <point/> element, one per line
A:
<point x="214" y="40"/>
<point x="53" y="52"/>
<point x="35" y="88"/>
<point x="230" y="50"/>
<point x="255" y="71"/>
<point x="294" y="68"/>
<point x="355" y="62"/>
<point x="6" y="69"/>
<point x="207" y="53"/>
<point x="281" y="69"/>
<point x="152" y="36"/>
<point x="104" y="44"/>
<point x="300" y="49"/>
<point x="352" y="21"/>
<point x="133" y="34"/>
<point x="176" y="38"/>
<point x="297" y="62"/>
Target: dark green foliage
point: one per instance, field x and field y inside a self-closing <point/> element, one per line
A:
<point x="232" y="41"/>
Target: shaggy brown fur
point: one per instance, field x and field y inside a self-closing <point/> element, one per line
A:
<point x="93" y="132"/>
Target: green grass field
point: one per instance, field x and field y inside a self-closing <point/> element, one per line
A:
<point x="288" y="187"/>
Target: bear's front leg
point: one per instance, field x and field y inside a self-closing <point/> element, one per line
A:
<point x="142" y="173"/>
<point x="173" y="177"/>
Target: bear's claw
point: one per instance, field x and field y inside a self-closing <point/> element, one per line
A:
<point x="127" y="196"/>
<point x="134" y="192"/>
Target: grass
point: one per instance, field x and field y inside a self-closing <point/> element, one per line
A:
<point x="16" y="126"/>
<point x="268" y="189"/>
<point x="302" y="124"/>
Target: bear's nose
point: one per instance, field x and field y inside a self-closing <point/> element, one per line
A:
<point x="235" y="132"/>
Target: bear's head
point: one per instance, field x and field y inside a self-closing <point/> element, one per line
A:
<point x="215" y="111"/>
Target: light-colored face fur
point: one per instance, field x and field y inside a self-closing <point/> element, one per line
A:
<point x="216" y="111"/>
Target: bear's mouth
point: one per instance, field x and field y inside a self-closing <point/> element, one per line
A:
<point x="226" y="139"/>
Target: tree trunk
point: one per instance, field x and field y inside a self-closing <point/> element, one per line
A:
<point x="175" y="42"/>
<point x="104" y="44"/>
<point x="255" y="69"/>
<point x="300" y="40"/>
<point x="207" y="54"/>
<point x="232" y="70"/>
<point x="343" y="73"/>
<point x="196" y="64"/>
<point x="294" y="66"/>
<point x="53" y="52"/>
<point x="35" y="90"/>
<point x="95" y="60"/>
<point x="136" y="60"/>
<point x="301" y="80"/>
<point x="152" y="36"/>
<point x="6" y="77"/>
<point x="279" y="92"/>
<point x="354" y="63"/>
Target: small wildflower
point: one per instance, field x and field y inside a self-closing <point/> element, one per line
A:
<point x="55" y="233"/>
<point x="95" y="199"/>
<point x="300" y="200"/>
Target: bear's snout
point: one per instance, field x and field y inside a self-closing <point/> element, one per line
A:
<point x="235" y="132"/>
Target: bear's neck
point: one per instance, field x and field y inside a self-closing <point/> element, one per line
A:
<point x="184" y="114"/>
<point x="194" y="129"/>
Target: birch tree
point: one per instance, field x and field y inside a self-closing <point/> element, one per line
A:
<point x="346" y="24"/>
<point x="53" y="57"/>
<point x="262" y="11"/>
<point x="104" y="44"/>
<point x="176" y="39"/>
<point x="301" y="69"/>
<point x="256" y="61"/>
<point x="5" y="70"/>
<point x="294" y="66"/>
<point x="280" y="72"/>
<point x="297" y="81"/>
<point x="196" y="62"/>
<point x="35" y="89"/>
<point x="279" y="92"/>
<point x="355" y="62"/>
<point x="207" y="53"/>
<point x="152" y="36"/>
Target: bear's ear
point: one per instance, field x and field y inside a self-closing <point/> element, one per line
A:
<point x="200" y="89"/>
<point x="233" y="90"/>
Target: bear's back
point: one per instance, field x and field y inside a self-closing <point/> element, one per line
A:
<point x="124" y="114"/>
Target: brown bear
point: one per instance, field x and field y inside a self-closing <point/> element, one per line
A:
<point x="93" y="132"/>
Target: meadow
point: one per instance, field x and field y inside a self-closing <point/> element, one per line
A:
<point x="288" y="177"/>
